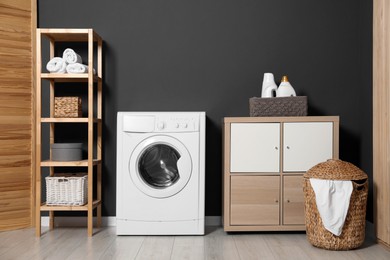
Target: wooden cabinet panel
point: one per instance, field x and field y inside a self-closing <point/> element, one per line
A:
<point x="306" y="144"/>
<point x="18" y="23"/>
<point x="254" y="200"/>
<point x="381" y="120"/>
<point x="293" y="201"/>
<point x="255" y="147"/>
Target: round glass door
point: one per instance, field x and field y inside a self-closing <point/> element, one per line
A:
<point x="160" y="166"/>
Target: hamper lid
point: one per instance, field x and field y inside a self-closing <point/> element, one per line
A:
<point x="334" y="169"/>
<point x="66" y="146"/>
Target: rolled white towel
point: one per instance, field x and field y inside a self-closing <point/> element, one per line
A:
<point x="56" y="65"/>
<point x="77" y="68"/>
<point x="70" y="56"/>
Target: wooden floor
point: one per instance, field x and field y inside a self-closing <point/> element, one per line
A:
<point x="73" y="243"/>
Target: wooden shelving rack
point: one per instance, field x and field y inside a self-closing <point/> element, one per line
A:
<point x="70" y="35"/>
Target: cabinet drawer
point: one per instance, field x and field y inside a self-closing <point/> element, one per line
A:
<point x="254" y="200"/>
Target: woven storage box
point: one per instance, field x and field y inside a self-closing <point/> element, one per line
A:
<point x="67" y="107"/>
<point x="67" y="189"/>
<point x="353" y="231"/>
<point x="278" y="106"/>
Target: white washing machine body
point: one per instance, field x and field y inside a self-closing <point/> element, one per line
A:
<point x="160" y="173"/>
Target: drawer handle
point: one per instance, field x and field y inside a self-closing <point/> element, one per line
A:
<point x="276" y="200"/>
<point x="276" y="148"/>
<point x="288" y="201"/>
<point x="288" y="147"/>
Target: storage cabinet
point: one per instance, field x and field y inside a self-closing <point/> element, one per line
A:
<point x="264" y="162"/>
<point x="92" y="82"/>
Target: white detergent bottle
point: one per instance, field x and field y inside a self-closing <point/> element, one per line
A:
<point x="285" y="89"/>
<point x="269" y="86"/>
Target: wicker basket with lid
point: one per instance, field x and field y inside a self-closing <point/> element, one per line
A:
<point x="353" y="232"/>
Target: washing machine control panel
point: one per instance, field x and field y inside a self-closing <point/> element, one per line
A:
<point x="177" y="124"/>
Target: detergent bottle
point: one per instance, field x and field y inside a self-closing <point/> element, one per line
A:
<point x="269" y="86"/>
<point x="285" y="89"/>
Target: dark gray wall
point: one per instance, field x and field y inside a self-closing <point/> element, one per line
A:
<point x="210" y="56"/>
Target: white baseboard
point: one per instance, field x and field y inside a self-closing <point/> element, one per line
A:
<point x="111" y="222"/>
<point x="108" y="221"/>
<point x="77" y="221"/>
<point x="213" y="221"/>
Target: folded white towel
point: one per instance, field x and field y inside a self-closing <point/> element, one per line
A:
<point x="332" y="198"/>
<point x="56" y="65"/>
<point x="70" y="56"/>
<point x="78" y="68"/>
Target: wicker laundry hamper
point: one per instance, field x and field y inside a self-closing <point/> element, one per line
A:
<point x="353" y="231"/>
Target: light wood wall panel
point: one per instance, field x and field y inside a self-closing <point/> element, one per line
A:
<point x="381" y="120"/>
<point x="17" y="29"/>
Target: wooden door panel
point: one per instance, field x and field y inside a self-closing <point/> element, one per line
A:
<point x="17" y="27"/>
<point x="293" y="201"/>
<point x="254" y="200"/>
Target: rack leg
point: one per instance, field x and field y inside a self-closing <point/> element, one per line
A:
<point x="99" y="196"/>
<point x="51" y="220"/>
<point x="90" y="223"/>
<point x="38" y="224"/>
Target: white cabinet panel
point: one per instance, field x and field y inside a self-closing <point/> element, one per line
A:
<point x="255" y="147"/>
<point x="306" y="144"/>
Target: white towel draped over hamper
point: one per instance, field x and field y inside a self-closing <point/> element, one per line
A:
<point x="332" y="198"/>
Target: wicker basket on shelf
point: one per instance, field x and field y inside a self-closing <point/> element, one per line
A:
<point x="67" y="107"/>
<point x="67" y="189"/>
<point x="353" y="231"/>
<point x="278" y="106"/>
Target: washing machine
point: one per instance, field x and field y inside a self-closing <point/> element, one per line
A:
<point x="160" y="173"/>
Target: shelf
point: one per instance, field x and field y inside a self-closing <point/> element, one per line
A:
<point x="45" y="207"/>
<point x="69" y="35"/>
<point x="82" y="163"/>
<point x="66" y="77"/>
<point x="68" y="120"/>
<point x="92" y="83"/>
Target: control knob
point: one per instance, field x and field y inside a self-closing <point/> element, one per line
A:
<point x="160" y="125"/>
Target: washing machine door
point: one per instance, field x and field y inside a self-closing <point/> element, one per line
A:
<point x="160" y="166"/>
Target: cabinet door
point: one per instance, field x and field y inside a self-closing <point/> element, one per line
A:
<point x="293" y="201"/>
<point x="254" y="200"/>
<point x="306" y="144"/>
<point x="254" y="147"/>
